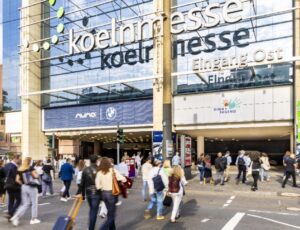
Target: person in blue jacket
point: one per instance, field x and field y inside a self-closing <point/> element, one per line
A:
<point x="66" y="175"/>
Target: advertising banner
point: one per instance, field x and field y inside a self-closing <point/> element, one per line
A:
<point x="110" y="114"/>
<point x="186" y="150"/>
<point x="157" y="143"/>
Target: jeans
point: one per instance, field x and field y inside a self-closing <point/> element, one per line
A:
<point x="145" y="190"/>
<point x="156" y="199"/>
<point x="45" y="187"/>
<point x="264" y="174"/>
<point x="255" y="175"/>
<point x="29" y="198"/>
<point x="67" y="184"/>
<point x="177" y="198"/>
<point x="220" y="176"/>
<point x="14" y="201"/>
<point x="242" y="170"/>
<point x="110" y="202"/>
<point x="201" y="171"/>
<point x="93" y="201"/>
<point x="288" y="174"/>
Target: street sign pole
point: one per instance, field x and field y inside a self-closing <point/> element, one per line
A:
<point x="118" y="146"/>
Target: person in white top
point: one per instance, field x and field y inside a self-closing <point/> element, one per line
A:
<point x="78" y="174"/>
<point x="146" y="168"/>
<point x="156" y="196"/>
<point x="104" y="183"/>
<point x="176" y="159"/>
<point x="138" y="162"/>
<point x="265" y="167"/>
<point x="123" y="168"/>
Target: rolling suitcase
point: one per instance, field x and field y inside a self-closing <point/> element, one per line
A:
<point x="66" y="222"/>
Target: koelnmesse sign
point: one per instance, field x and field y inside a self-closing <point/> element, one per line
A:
<point x="230" y="12"/>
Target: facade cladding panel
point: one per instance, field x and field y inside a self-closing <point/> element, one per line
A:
<point x="111" y="114"/>
<point x="11" y="41"/>
<point x="219" y="44"/>
<point x="85" y="68"/>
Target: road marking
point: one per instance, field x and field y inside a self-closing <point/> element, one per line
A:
<point x="294" y="209"/>
<point x="204" y="220"/>
<point x="278" y="213"/>
<point x="228" y="202"/>
<point x="43" y="204"/>
<point x="274" y="221"/>
<point x="233" y="222"/>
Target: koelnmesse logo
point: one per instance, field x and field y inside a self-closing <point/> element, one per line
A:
<point x="46" y="45"/>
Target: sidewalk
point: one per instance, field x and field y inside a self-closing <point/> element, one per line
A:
<point x="266" y="188"/>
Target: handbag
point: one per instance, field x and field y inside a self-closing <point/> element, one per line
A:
<point x="115" y="185"/>
<point x="167" y="200"/>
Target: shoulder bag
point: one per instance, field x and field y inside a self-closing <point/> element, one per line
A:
<point x="115" y="185"/>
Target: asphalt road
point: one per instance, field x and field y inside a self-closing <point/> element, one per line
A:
<point x="206" y="209"/>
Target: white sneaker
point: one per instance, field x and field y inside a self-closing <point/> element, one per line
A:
<point x="63" y="199"/>
<point x="35" y="221"/>
<point x="14" y="221"/>
<point x="118" y="203"/>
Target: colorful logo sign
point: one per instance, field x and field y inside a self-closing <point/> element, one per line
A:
<point x="229" y="106"/>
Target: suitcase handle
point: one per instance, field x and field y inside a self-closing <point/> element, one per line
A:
<point x="74" y="211"/>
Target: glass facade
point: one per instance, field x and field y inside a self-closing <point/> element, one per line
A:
<point x="61" y="70"/>
<point x="11" y="41"/>
<point x="262" y="28"/>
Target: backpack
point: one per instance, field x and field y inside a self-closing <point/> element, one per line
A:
<point x="223" y="163"/>
<point x="174" y="184"/>
<point x="158" y="183"/>
<point x="241" y="161"/>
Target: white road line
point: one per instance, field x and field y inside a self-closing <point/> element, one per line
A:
<point x="233" y="222"/>
<point x="228" y="201"/>
<point x="293" y="209"/>
<point x="204" y="220"/>
<point x="225" y="205"/>
<point x="274" y="221"/>
<point x="232" y="198"/>
<point x="278" y="213"/>
<point x="43" y="204"/>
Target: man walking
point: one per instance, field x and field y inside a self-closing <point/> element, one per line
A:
<point x="157" y="182"/>
<point x="290" y="169"/>
<point x="220" y="165"/>
<point x="13" y="189"/>
<point x="66" y="175"/>
<point x="242" y="168"/>
<point x="176" y="159"/>
<point x="227" y="170"/>
<point x="146" y="168"/>
<point x="88" y="188"/>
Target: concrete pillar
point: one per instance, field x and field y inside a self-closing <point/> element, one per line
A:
<point x="34" y="142"/>
<point x="96" y="147"/>
<point x="297" y="72"/>
<point x="200" y="145"/>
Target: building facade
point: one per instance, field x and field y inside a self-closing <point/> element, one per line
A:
<point x="88" y="67"/>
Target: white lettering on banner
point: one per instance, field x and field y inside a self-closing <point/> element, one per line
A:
<point x="194" y="19"/>
<point x="241" y="61"/>
<point x="85" y="115"/>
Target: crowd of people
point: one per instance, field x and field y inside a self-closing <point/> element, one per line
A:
<point x="247" y="163"/>
<point x="103" y="184"/>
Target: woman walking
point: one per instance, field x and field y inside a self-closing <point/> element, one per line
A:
<point x="256" y="166"/>
<point x="167" y="168"/>
<point x="200" y="164"/>
<point x="207" y="170"/>
<point x="177" y="182"/>
<point x="265" y="167"/>
<point x="78" y="173"/>
<point x="2" y="183"/>
<point x="47" y="178"/>
<point x="104" y="182"/>
<point x="28" y="178"/>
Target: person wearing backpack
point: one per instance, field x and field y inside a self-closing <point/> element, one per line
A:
<point x="242" y="168"/>
<point x="28" y="178"/>
<point x="177" y="182"/>
<point x="157" y="182"/>
<point x="220" y="165"/>
<point x="47" y="178"/>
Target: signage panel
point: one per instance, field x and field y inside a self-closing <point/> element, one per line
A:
<point x="110" y="114"/>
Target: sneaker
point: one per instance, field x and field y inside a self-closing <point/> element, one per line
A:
<point x="147" y="214"/>
<point x="118" y="203"/>
<point x="160" y="218"/>
<point x="63" y="199"/>
<point x="14" y="222"/>
<point x="35" y="221"/>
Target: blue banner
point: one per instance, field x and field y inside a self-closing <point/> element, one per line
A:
<point x="110" y="114"/>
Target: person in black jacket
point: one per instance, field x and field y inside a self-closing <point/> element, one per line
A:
<point x="220" y="165"/>
<point x="89" y="191"/>
<point x="256" y="166"/>
<point x="12" y="188"/>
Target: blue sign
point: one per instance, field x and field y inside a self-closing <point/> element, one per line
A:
<point x="110" y="114"/>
